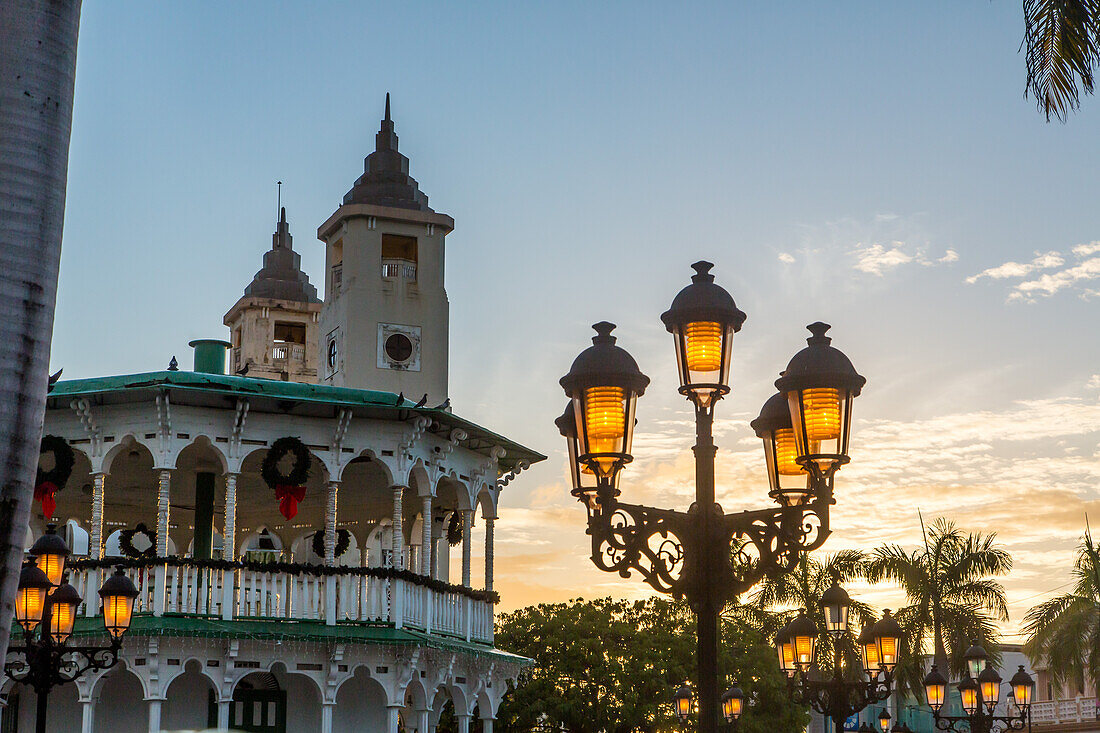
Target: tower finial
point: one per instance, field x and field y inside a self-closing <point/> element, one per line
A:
<point x="388" y="107"/>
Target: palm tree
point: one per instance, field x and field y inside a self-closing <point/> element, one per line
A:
<point x="1062" y="42"/>
<point x="952" y="599"/>
<point x="37" y="74"/>
<point x="1067" y="628"/>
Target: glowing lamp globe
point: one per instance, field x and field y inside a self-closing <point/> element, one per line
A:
<point x="63" y="604"/>
<point x="30" y="598"/>
<point x="733" y="701"/>
<point x="583" y="478"/>
<point x="49" y="552"/>
<point x="975" y="658"/>
<point x="935" y="688"/>
<point x="117" y="596"/>
<point x="989" y="682"/>
<point x="884" y="721"/>
<point x="784" y="647"/>
<point x="604" y="384"/>
<point x="803" y="633"/>
<point x="702" y="320"/>
<point x="820" y="384"/>
<point x="1023" y="687"/>
<point x="788" y="480"/>
<point x="683" y="702"/>
<point x="968" y="691"/>
<point x="868" y="650"/>
<point x="887" y="634"/>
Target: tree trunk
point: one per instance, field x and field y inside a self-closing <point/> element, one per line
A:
<point x="37" y="73"/>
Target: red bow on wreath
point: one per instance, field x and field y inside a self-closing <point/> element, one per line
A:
<point x="44" y="493"/>
<point x="288" y="497"/>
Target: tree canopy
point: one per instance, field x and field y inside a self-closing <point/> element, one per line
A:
<point x="611" y="666"/>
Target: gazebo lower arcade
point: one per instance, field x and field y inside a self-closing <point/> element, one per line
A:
<point x="343" y="616"/>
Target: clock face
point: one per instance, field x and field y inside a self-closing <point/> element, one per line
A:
<point x="399" y="348"/>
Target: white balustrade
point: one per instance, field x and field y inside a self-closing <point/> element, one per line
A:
<point x="198" y="591"/>
<point x="1070" y="710"/>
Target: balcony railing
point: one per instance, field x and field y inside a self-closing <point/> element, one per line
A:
<point x="399" y="269"/>
<point x="1069" y="710"/>
<point x="229" y="590"/>
<point x="287" y="351"/>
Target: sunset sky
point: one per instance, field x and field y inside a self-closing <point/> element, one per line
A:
<point x="873" y="165"/>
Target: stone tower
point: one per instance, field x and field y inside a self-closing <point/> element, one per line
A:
<point x="384" y="324"/>
<point x="273" y="327"/>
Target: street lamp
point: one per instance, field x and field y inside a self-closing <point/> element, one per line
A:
<point x="733" y="701"/>
<point x="688" y="554"/>
<point x="46" y="659"/>
<point x="980" y="692"/>
<point x="683" y="702"/>
<point x="884" y="721"/>
<point x="837" y="695"/>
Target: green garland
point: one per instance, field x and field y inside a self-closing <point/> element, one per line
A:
<point x="343" y="539"/>
<point x="291" y="569"/>
<point x="454" y="529"/>
<point x="126" y="542"/>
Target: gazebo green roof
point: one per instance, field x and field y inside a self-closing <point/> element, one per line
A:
<point x="220" y="391"/>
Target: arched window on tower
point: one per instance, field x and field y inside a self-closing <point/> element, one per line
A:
<point x="398" y="257"/>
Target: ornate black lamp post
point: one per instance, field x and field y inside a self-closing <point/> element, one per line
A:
<point x="688" y="554"/>
<point x="832" y="692"/>
<point x="980" y="692"/>
<point x="46" y="603"/>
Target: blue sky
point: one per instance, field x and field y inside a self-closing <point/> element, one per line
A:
<point x="862" y="163"/>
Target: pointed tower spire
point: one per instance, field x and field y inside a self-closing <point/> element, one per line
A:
<point x="386" y="180"/>
<point x="281" y="277"/>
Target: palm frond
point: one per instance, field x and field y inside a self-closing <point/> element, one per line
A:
<point x="1062" y="46"/>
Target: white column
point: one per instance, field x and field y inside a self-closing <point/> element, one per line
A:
<point x="467" y="520"/>
<point x="331" y="610"/>
<point x="489" y="522"/>
<point x="426" y="536"/>
<point x="95" y="530"/>
<point x="393" y="721"/>
<point x="229" y="536"/>
<point x="422" y="721"/>
<point x="223" y="712"/>
<point x="326" y="716"/>
<point x="87" y="714"/>
<point x="463" y="723"/>
<point x="397" y="545"/>
<point x="164" y="481"/>
<point x="154" y="715"/>
<point x="229" y="552"/>
<point x="486" y="725"/>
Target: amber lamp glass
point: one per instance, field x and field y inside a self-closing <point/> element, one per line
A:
<point x="975" y="657"/>
<point x="785" y="649"/>
<point x="118" y="594"/>
<point x="803" y="633"/>
<point x="702" y="320"/>
<point x="989" y="682"/>
<point x="820" y="384"/>
<point x="884" y="721"/>
<point x="683" y="702"/>
<point x="788" y="480"/>
<point x="30" y="599"/>
<point x="1022" y="688"/>
<point x="585" y="485"/>
<point x="888" y="640"/>
<point x="732" y="703"/>
<point x="835" y="603"/>
<point x="968" y="690"/>
<point x="869" y="651"/>
<point x="50" y="552"/>
<point x="935" y="688"/>
<point x="63" y="604"/>
<point x="604" y="384"/>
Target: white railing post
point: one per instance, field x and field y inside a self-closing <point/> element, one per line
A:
<point x="397" y="602"/>
<point x="468" y="612"/>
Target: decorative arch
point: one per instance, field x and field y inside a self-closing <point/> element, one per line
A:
<point x="126" y="445"/>
<point x="202" y="448"/>
<point x="487" y="499"/>
<point x="369" y="456"/>
<point x="419" y="480"/>
<point x="186" y="696"/>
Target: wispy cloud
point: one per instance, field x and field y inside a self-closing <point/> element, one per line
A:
<point x="1048" y="273"/>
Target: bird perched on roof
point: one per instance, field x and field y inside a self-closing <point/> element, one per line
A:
<point x="423" y="401"/>
<point x="400" y="399"/>
<point x="53" y="380"/>
<point x="446" y="404"/>
<point x="242" y="371"/>
<point x="173" y="366"/>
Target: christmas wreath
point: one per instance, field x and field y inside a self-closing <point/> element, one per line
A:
<point x="290" y="487"/>
<point x="126" y="542"/>
<point x="454" y="529"/>
<point x="343" y="539"/>
<point x="47" y="483"/>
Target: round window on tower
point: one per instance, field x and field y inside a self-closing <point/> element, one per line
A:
<point x="399" y="348"/>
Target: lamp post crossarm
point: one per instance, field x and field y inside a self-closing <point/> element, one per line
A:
<point x="665" y="546"/>
<point x="45" y="665"/>
<point x="981" y="722"/>
<point x="837" y="697"/>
